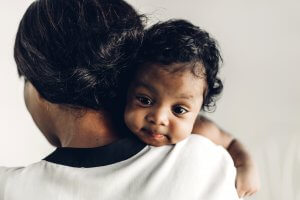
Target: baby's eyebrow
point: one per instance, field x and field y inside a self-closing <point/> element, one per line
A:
<point x="185" y="96"/>
<point x="145" y="85"/>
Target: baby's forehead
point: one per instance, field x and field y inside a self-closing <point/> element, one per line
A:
<point x="182" y="80"/>
<point x="195" y="68"/>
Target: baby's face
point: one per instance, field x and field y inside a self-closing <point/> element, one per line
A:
<point x="162" y="106"/>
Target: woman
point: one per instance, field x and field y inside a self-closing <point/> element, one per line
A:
<point x="73" y="55"/>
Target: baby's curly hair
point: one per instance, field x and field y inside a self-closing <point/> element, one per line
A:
<point x="179" y="41"/>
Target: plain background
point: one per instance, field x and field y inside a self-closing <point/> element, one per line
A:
<point x="260" y="104"/>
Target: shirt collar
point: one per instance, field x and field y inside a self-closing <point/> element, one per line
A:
<point x="98" y="156"/>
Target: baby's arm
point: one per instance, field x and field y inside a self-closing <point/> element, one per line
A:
<point x="247" y="181"/>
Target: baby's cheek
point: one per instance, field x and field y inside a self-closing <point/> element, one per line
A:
<point x="131" y="120"/>
<point x="185" y="130"/>
<point x="177" y="132"/>
<point x="128" y="117"/>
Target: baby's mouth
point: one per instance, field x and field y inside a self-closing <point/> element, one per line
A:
<point x="153" y="134"/>
<point x="157" y="135"/>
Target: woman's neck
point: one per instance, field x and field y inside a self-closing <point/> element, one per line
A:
<point x="87" y="129"/>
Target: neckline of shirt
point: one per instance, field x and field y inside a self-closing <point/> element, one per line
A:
<point x="112" y="153"/>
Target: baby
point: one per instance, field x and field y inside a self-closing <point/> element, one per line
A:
<point x="176" y="77"/>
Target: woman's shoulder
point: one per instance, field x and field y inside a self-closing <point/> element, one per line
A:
<point x="6" y="173"/>
<point x="12" y="173"/>
<point x="202" y="149"/>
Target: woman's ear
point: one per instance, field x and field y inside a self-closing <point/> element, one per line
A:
<point x="39" y="96"/>
<point x="31" y="96"/>
<point x="42" y="112"/>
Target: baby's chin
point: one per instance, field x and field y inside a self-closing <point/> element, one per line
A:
<point x="154" y="142"/>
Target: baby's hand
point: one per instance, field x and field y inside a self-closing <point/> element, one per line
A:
<point x="247" y="180"/>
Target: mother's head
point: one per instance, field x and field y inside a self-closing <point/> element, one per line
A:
<point x="73" y="52"/>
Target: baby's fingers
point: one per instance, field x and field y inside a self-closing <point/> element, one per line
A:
<point x="246" y="192"/>
<point x="241" y="194"/>
<point x="243" y="191"/>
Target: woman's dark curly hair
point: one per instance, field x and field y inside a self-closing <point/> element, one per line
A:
<point x="179" y="41"/>
<point x="73" y="51"/>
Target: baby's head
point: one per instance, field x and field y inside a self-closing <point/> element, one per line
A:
<point x="176" y="77"/>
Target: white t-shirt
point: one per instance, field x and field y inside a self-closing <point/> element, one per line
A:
<point x="194" y="169"/>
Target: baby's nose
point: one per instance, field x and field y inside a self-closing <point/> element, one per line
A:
<point x="158" y="117"/>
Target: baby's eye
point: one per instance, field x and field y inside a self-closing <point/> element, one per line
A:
<point x="145" y="101"/>
<point x="179" y="110"/>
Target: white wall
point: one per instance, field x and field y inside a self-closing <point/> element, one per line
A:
<point x="20" y="141"/>
<point x="261" y="101"/>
